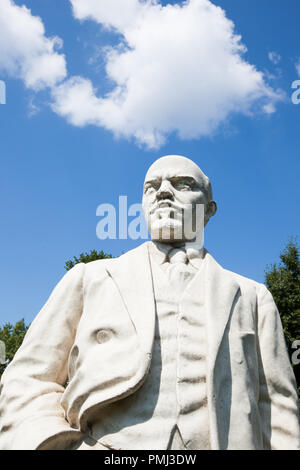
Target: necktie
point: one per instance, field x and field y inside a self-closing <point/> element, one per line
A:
<point x="179" y="271"/>
<point x="178" y="255"/>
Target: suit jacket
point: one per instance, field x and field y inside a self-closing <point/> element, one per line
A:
<point x="97" y="331"/>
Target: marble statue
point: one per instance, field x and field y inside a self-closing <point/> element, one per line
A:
<point x="160" y="348"/>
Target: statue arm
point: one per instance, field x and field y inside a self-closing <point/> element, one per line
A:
<point x="278" y="401"/>
<point x="31" y="415"/>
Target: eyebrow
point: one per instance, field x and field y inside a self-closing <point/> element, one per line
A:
<point x="175" y="179"/>
<point x="154" y="180"/>
<point x="189" y="179"/>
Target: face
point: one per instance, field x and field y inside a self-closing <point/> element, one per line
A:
<point x="174" y="200"/>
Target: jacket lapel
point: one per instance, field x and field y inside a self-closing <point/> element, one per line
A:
<point x="221" y="290"/>
<point x="132" y="276"/>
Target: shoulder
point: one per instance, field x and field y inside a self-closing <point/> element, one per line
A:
<point x="100" y="267"/>
<point x="246" y="284"/>
<point x="249" y="285"/>
<point x="244" y="281"/>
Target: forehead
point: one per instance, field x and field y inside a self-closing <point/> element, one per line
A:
<point x="171" y="167"/>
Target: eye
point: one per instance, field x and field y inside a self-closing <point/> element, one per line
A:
<point x="183" y="186"/>
<point x="151" y="187"/>
<point x="183" y="183"/>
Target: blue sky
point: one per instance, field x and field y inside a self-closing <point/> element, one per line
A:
<point x="54" y="174"/>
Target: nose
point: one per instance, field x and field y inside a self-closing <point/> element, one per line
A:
<point x="165" y="191"/>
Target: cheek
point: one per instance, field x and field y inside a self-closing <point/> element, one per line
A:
<point x="148" y="199"/>
<point x="189" y="198"/>
<point x="146" y="204"/>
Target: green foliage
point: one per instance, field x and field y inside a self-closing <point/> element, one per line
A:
<point x="283" y="281"/>
<point x="93" y="255"/>
<point x="12" y="336"/>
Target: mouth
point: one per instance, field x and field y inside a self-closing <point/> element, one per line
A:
<point x="166" y="209"/>
<point x="163" y="205"/>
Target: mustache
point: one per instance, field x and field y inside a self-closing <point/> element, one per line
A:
<point x="166" y="203"/>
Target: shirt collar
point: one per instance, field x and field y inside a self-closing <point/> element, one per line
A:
<point x="159" y="251"/>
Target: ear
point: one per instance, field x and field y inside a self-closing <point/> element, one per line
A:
<point x="210" y="210"/>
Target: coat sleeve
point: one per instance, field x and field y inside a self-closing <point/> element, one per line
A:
<point x="278" y="402"/>
<point x="31" y="416"/>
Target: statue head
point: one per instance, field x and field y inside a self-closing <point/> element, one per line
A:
<point x="177" y="200"/>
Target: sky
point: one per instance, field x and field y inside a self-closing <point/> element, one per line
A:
<point x="96" y="90"/>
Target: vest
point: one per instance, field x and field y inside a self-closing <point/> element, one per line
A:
<point x="169" y="411"/>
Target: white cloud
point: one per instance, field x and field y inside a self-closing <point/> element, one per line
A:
<point x="179" y="68"/>
<point x="33" y="108"/>
<point x="76" y="100"/>
<point x="117" y="14"/>
<point x="274" y="57"/>
<point x="25" y="51"/>
<point x="269" y="108"/>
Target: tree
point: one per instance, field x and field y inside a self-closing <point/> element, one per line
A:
<point x="93" y="255"/>
<point x="12" y="337"/>
<point x="283" y="281"/>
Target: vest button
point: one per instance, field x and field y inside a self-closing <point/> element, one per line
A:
<point x="103" y="336"/>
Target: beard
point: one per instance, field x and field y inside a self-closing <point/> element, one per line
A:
<point x="171" y="224"/>
<point x="166" y="229"/>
